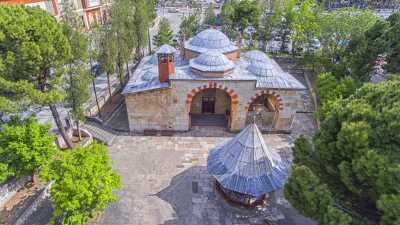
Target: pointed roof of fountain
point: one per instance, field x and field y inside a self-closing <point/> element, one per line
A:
<point x="245" y="164"/>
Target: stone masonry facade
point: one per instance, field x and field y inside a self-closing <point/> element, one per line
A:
<point x="168" y="109"/>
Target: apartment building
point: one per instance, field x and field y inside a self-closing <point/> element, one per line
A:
<point x="91" y="11"/>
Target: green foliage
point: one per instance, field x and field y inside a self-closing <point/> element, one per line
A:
<point x="189" y="26"/>
<point x="142" y="21"/>
<point x="164" y="35"/>
<point x="306" y="26"/>
<point x="83" y="184"/>
<point x="306" y="193"/>
<point x="32" y="43"/>
<point x="210" y="18"/>
<point x="380" y="39"/>
<point x="78" y="85"/>
<point x="25" y="147"/>
<point x="334" y="216"/>
<point x="355" y="153"/>
<point x="390" y="206"/>
<point x="238" y="15"/>
<point x="337" y="29"/>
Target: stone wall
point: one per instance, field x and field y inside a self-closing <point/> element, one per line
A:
<point x="10" y="187"/>
<point x="168" y="109"/>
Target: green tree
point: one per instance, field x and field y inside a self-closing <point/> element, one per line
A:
<point x="164" y="35"/>
<point x="305" y="27"/>
<point x="33" y="52"/>
<point x="338" y="28"/>
<point x="25" y="147"/>
<point x="210" y="18"/>
<point x="285" y="26"/>
<point x="142" y="20"/>
<point x="122" y="35"/>
<point x="269" y="21"/>
<point x="189" y="26"/>
<point x="83" y="184"/>
<point x="241" y="14"/>
<point x="78" y="75"/>
<point x="107" y="54"/>
<point x="355" y="154"/>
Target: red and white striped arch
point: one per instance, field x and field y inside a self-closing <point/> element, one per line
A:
<point x="266" y="92"/>
<point x="234" y="96"/>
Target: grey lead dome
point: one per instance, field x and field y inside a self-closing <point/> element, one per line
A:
<point x="212" y="62"/>
<point x="210" y="39"/>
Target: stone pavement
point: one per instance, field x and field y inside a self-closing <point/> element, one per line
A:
<point x="165" y="181"/>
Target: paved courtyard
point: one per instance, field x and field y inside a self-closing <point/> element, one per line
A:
<point x="165" y="181"/>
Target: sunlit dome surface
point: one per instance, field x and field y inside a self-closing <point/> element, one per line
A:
<point x="256" y="55"/>
<point x="211" y="62"/>
<point x="263" y="69"/>
<point x="210" y="39"/>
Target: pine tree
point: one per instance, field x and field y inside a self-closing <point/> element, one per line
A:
<point x="210" y="15"/>
<point x="164" y="35"/>
<point x="34" y="51"/>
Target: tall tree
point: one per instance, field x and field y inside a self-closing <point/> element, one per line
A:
<point x="83" y="184"/>
<point x="338" y="28"/>
<point x="142" y="23"/>
<point x="122" y="29"/>
<point x="305" y="27"/>
<point x="164" y="35"/>
<point x="25" y="147"/>
<point x="189" y="26"/>
<point x="34" y="51"/>
<point x="78" y="75"/>
<point x="355" y="154"/>
<point x="107" y="54"/>
<point x="210" y="18"/>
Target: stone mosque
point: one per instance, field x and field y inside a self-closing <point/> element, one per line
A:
<point x="209" y="81"/>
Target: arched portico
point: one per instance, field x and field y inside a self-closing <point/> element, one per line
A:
<point x="265" y="108"/>
<point x="212" y="103"/>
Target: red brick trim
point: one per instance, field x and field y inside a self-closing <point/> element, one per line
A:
<point x="234" y="96"/>
<point x="266" y="92"/>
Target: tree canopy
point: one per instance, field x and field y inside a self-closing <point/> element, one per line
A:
<point x="164" y="35"/>
<point x="210" y="18"/>
<point x="355" y="155"/>
<point x="189" y="26"/>
<point x="33" y="52"/>
<point x="83" y="183"/>
<point x="25" y="147"/>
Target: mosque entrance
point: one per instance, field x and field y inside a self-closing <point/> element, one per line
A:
<point x="211" y="107"/>
<point x="265" y="111"/>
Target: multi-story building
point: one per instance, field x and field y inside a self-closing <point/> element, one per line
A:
<point x="91" y="11"/>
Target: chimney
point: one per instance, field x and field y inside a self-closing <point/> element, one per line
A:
<point x="165" y="66"/>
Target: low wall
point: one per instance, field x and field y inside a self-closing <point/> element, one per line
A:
<point x="10" y="187"/>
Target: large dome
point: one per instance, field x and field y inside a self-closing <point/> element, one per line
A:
<point x="212" y="62"/>
<point x="210" y="39"/>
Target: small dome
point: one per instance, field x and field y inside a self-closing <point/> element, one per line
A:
<point x="166" y="49"/>
<point x="211" y="62"/>
<point x="263" y="69"/>
<point x="256" y="55"/>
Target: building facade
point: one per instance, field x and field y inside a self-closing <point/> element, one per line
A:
<point x="210" y="82"/>
<point x="91" y="11"/>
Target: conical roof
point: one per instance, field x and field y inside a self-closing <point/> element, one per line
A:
<point x="246" y="165"/>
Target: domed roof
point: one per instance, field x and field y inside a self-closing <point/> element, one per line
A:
<point x="263" y="69"/>
<point x="211" y="62"/>
<point x="210" y="39"/>
<point x="256" y="55"/>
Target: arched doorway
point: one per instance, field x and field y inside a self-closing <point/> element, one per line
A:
<point x="264" y="110"/>
<point x="211" y="107"/>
